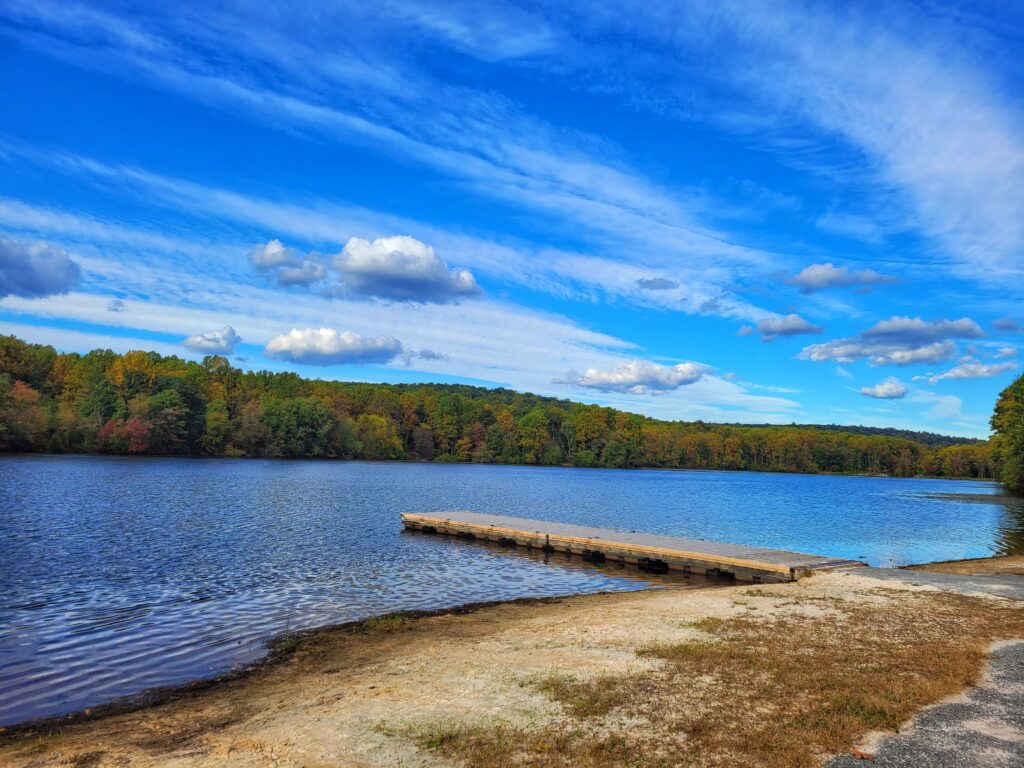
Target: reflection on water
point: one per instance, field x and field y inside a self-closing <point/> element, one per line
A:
<point x="119" y="574"/>
<point x="1009" y="530"/>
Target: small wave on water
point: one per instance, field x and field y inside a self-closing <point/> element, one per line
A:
<point x="119" y="574"/>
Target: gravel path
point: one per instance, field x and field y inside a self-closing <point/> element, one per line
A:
<point x="982" y="728"/>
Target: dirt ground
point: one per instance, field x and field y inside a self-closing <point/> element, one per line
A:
<point x="392" y="692"/>
<point x="1010" y="565"/>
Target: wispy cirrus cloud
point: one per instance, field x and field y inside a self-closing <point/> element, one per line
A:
<point x="578" y="179"/>
<point x="971" y="370"/>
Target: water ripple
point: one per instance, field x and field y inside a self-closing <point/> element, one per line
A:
<point x="120" y="574"/>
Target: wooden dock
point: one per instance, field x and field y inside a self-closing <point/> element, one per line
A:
<point x="649" y="552"/>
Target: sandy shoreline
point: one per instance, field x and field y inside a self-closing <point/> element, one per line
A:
<point x="406" y="691"/>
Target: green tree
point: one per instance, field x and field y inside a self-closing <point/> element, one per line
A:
<point x="1008" y="424"/>
<point x="378" y="437"/>
<point x="297" y="427"/>
<point x="533" y="435"/>
<point x="216" y="428"/>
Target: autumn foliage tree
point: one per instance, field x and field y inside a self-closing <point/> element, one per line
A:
<point x="146" y="403"/>
<point x="1008" y="442"/>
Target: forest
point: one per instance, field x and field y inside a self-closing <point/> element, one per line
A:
<point x="146" y="403"/>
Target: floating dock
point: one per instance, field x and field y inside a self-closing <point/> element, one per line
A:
<point x="647" y="551"/>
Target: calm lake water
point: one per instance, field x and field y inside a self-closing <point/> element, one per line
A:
<point x="120" y="574"/>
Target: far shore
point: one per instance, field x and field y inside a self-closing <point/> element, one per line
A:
<point x="584" y="681"/>
<point x="443" y="463"/>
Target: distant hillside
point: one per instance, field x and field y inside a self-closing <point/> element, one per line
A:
<point x="146" y="403"/>
<point x="925" y="438"/>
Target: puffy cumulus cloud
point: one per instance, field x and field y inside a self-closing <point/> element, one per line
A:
<point x="273" y="254"/>
<point x="890" y="389"/>
<point x="914" y="330"/>
<point x="784" y="325"/>
<point x="401" y="268"/>
<point x="115" y="305"/>
<point x="1005" y="352"/>
<point x="877" y="353"/>
<point x="639" y="377"/>
<point x="307" y="272"/>
<point x="222" y="342"/>
<point x="287" y="265"/>
<point x="326" y="346"/>
<point x="35" y="270"/>
<point x="656" y="284"/>
<point x="973" y="371"/>
<point x="818" y="277"/>
<point x="897" y="341"/>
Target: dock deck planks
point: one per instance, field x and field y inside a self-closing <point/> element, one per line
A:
<point x="646" y="550"/>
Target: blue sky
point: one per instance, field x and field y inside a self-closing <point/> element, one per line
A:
<point x="728" y="211"/>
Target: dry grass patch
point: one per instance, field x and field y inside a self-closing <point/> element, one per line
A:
<point x="779" y="693"/>
<point x="1005" y="565"/>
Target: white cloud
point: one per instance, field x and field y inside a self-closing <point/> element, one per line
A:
<point x="36" y="269"/>
<point x="273" y="254"/>
<point x="840" y="371"/>
<point x="1006" y="352"/>
<point x="973" y="371"/>
<point x="817" y="277"/>
<point x="897" y="341"/>
<point x="1007" y="324"/>
<point x="890" y="389"/>
<point x="220" y="342"/>
<point x="307" y="272"/>
<point x="640" y="377"/>
<point x="289" y="266"/>
<point x="326" y="346"/>
<point x="851" y="350"/>
<point x="785" y="325"/>
<point x="403" y="269"/>
<point x="115" y="305"/>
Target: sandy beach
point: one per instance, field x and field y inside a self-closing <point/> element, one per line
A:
<point x="772" y="675"/>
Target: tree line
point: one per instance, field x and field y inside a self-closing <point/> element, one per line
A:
<point x="146" y="403"/>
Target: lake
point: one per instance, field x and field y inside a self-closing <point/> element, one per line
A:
<point x="119" y="574"/>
